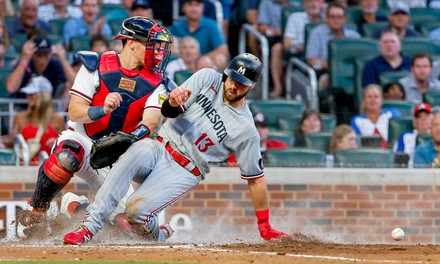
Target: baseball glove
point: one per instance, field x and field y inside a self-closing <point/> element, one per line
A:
<point x="107" y="150"/>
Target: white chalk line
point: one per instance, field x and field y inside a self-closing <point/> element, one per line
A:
<point x="192" y="247"/>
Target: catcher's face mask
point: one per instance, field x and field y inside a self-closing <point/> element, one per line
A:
<point x="157" y="50"/>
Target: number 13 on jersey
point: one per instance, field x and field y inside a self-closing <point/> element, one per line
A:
<point x="203" y="143"/>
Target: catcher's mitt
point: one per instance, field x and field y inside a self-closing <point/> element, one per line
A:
<point x="107" y="150"/>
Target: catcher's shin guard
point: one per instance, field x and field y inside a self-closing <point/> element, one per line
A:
<point x="56" y="172"/>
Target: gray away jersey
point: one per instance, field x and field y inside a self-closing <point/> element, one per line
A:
<point x="210" y="130"/>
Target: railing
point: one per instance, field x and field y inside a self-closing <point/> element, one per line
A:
<point x="8" y="109"/>
<point x="264" y="44"/>
<point x="311" y="89"/>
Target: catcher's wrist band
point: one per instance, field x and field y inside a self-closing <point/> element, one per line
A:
<point x="169" y="111"/>
<point x="95" y="112"/>
<point x="141" y="131"/>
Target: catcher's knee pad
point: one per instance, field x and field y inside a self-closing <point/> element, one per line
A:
<point x="65" y="160"/>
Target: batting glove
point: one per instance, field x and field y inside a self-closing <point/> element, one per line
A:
<point x="266" y="230"/>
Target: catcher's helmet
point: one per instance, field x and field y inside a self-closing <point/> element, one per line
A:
<point x="146" y="30"/>
<point x="245" y="68"/>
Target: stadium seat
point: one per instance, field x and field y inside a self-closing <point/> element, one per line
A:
<point x="286" y="137"/>
<point x="295" y="157"/>
<point x="364" y="158"/>
<point x="18" y="41"/>
<point x="422" y="138"/>
<point x="55" y="39"/>
<point x="342" y="54"/>
<point x="388" y="77"/>
<point x="181" y="76"/>
<point x="397" y="126"/>
<point x="329" y="121"/>
<point x="57" y="26"/>
<point x="115" y="25"/>
<point x="11" y="58"/>
<point x="107" y="8"/>
<point x="359" y="65"/>
<point x="404" y="107"/>
<point x="372" y="29"/>
<point x="412" y="46"/>
<point x="78" y="43"/>
<point x="290" y="123"/>
<point x="426" y="29"/>
<point x="285" y="13"/>
<point x="275" y="109"/>
<point x="319" y="141"/>
<point x="423" y="16"/>
<point x="4" y="74"/>
<point x="8" y="157"/>
<point x="432" y="98"/>
<point x="354" y="13"/>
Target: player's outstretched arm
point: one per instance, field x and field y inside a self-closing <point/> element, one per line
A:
<point x="258" y="190"/>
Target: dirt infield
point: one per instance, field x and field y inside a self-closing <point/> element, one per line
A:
<point x="305" y="250"/>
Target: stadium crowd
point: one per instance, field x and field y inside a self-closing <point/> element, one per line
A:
<point x="389" y="106"/>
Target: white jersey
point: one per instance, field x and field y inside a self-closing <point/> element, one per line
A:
<point x="86" y="86"/>
<point x="210" y="130"/>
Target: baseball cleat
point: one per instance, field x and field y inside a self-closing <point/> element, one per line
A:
<point x="72" y="205"/>
<point x="28" y="223"/>
<point x="79" y="236"/>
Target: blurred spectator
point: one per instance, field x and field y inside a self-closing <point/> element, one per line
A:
<point x="6" y="8"/>
<point x="269" y="24"/>
<point x="435" y="34"/>
<point x="434" y="4"/>
<point x="141" y="8"/>
<point x="399" y="18"/>
<point x="293" y="41"/>
<point x="189" y="53"/>
<point x="59" y="52"/>
<point x="39" y="123"/>
<point x="390" y="59"/>
<point x="205" y="62"/>
<point x="316" y="50"/>
<point x="310" y="122"/>
<point x="123" y="12"/>
<point x="420" y="80"/>
<point x="427" y="154"/>
<point x="251" y="18"/>
<point x="373" y="120"/>
<point x="369" y="14"/>
<point x="116" y="45"/>
<point x="88" y="24"/>
<point x="393" y="91"/>
<point x="409" y="3"/>
<point x="37" y="59"/>
<point x="205" y="30"/>
<point x="422" y="125"/>
<point x="226" y="8"/>
<point x="58" y="9"/>
<point x="99" y="44"/>
<point x="27" y="22"/>
<point x="343" y="137"/>
<point x="262" y="124"/>
<point x="4" y="37"/>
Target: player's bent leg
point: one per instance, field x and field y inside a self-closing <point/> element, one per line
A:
<point x="151" y="230"/>
<point x="53" y="175"/>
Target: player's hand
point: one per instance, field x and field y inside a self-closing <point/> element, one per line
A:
<point x="112" y="101"/>
<point x="28" y="49"/>
<point x="268" y="233"/>
<point x="179" y="96"/>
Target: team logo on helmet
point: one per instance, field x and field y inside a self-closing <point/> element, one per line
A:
<point x="242" y="70"/>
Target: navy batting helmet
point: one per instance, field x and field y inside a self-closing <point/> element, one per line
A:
<point x="245" y="68"/>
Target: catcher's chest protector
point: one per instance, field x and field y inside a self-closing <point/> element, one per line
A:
<point x="134" y="90"/>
